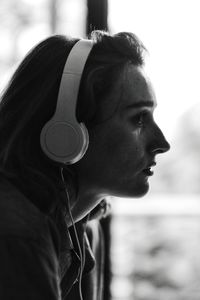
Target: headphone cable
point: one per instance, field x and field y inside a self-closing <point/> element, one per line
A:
<point x="82" y="255"/>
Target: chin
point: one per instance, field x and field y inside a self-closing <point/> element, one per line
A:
<point x="134" y="192"/>
<point x="141" y="194"/>
<point x="142" y="191"/>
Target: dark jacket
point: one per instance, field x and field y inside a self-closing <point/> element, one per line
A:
<point x="36" y="262"/>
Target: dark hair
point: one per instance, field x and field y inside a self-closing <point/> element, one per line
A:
<point x="30" y="101"/>
<point x="108" y="57"/>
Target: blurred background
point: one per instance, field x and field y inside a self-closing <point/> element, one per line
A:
<point x="155" y="241"/>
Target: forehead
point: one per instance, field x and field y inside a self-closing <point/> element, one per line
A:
<point x="137" y="90"/>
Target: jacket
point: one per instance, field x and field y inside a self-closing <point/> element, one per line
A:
<point x="36" y="261"/>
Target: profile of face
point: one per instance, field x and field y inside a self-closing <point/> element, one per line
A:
<point x="123" y="149"/>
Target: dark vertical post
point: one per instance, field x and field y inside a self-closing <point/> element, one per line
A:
<point x="97" y="17"/>
<point x="106" y="226"/>
<point x="53" y="7"/>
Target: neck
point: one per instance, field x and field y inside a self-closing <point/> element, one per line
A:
<point x="86" y="201"/>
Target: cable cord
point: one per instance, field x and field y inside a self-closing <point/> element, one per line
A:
<point x="82" y="254"/>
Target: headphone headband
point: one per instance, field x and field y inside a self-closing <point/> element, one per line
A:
<point x="63" y="139"/>
<point x="70" y="81"/>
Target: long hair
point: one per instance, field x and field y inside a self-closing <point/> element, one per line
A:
<point x="29" y="101"/>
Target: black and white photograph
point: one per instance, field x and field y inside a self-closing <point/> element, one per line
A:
<point x="99" y="150"/>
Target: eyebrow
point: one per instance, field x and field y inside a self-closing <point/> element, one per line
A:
<point x="140" y="104"/>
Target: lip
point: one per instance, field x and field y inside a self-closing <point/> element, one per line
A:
<point x="147" y="171"/>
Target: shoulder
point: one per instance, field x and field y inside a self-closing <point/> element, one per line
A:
<point x="20" y="218"/>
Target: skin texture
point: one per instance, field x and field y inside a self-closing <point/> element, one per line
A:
<point x="123" y="146"/>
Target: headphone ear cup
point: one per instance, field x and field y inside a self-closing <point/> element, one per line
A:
<point x="63" y="139"/>
<point x="64" y="142"/>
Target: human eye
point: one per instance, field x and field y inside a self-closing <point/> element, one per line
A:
<point x="139" y="119"/>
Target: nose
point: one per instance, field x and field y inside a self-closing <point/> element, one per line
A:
<point x="159" y="144"/>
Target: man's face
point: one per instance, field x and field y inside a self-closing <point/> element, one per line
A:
<point x="122" y="149"/>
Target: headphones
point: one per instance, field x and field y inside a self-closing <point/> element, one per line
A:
<point x="63" y="139"/>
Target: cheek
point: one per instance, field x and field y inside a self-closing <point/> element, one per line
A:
<point x="112" y="153"/>
<point x="112" y="164"/>
<point x="125" y="152"/>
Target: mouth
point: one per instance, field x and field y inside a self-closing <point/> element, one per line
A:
<point x="148" y="171"/>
